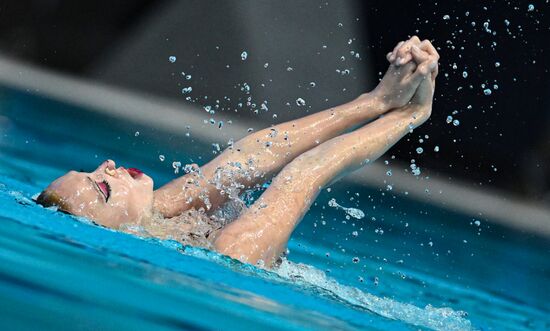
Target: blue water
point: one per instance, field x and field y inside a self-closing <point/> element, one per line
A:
<point x="413" y="267"/>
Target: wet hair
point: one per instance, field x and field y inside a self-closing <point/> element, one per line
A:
<point x="49" y="198"/>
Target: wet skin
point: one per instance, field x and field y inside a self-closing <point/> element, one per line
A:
<point x="110" y="196"/>
<point x="113" y="196"/>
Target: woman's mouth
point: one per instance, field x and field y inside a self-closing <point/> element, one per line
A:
<point x="134" y="172"/>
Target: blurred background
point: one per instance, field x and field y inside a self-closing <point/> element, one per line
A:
<point x="252" y="60"/>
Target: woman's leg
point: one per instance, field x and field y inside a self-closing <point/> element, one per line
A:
<point x="262" y="232"/>
<point x="257" y="157"/>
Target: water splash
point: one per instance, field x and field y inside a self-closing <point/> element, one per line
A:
<point x="353" y="212"/>
<point x="300" y="102"/>
<point x="428" y="317"/>
<point x="316" y="281"/>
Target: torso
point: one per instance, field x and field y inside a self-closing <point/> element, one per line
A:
<point x="192" y="227"/>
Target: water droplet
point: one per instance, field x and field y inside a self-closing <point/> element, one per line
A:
<point x="266" y="65"/>
<point x="353" y="212"/>
<point x="419" y="150"/>
<point x="244" y="55"/>
<point x="188" y="77"/>
<point x="136" y="134"/>
<point x="487" y="91"/>
<point x="186" y="90"/>
<point x="312" y="84"/>
<point x="172" y="59"/>
<point x="355" y="259"/>
<point x="388" y="173"/>
<point x="300" y="102"/>
<point x="176" y="165"/>
<point x="161" y="158"/>
<point x="456" y="122"/>
<point x="497" y="64"/>
<point x="449" y="119"/>
<point x="530" y="7"/>
<point x="446" y="17"/>
<point x="464" y="74"/>
<point x="436" y="149"/>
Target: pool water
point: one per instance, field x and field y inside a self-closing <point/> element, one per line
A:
<point x="406" y="265"/>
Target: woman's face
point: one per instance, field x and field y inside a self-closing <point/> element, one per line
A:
<point x="110" y="196"/>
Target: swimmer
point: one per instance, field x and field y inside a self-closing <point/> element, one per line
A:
<point x="305" y="155"/>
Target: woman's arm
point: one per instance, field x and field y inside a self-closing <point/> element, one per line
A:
<point x="263" y="231"/>
<point x="257" y="157"/>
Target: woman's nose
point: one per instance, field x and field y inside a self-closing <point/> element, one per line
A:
<point x="108" y="167"/>
<point x="110" y="164"/>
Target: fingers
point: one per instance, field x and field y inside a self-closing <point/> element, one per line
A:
<point x="394" y="52"/>
<point x="424" y="92"/>
<point x="401" y="52"/>
<point x="418" y="55"/>
<point x="423" y="70"/>
<point x="427" y="46"/>
<point x="423" y="53"/>
<point x="403" y="55"/>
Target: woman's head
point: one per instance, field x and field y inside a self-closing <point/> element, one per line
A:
<point x="110" y="196"/>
